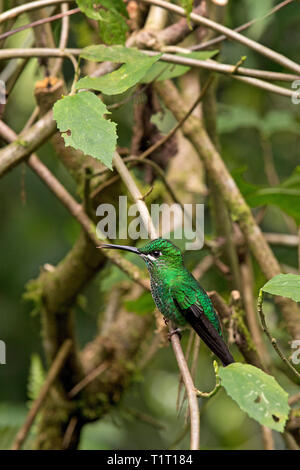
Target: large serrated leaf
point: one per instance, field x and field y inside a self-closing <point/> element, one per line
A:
<point x="286" y="285"/>
<point x="135" y="66"/>
<point x="257" y="393"/>
<point x="80" y="119"/>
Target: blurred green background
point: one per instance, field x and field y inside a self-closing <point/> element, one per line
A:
<point x="39" y="230"/>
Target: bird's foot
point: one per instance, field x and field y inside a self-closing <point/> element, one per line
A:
<point x="166" y="320"/>
<point x="176" y="331"/>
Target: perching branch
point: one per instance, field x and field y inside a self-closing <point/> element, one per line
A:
<point x="190" y="391"/>
<point x="239" y="210"/>
<point x="190" y="388"/>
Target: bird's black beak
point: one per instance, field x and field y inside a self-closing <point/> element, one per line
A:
<point x="121" y="247"/>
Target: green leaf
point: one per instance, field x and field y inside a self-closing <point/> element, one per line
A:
<point x="7" y="435"/>
<point x="286" y="285"/>
<point x="88" y="8"/>
<point x="293" y="181"/>
<point x="135" y="66"/>
<point x="111" y="14"/>
<point x="117" y="54"/>
<point x="279" y="121"/>
<point x="285" y="195"/>
<point x="163" y="71"/>
<point x="143" y="305"/>
<point x="235" y="117"/>
<point x="113" y="28"/>
<point x="188" y="7"/>
<point x="257" y="393"/>
<point x="258" y="9"/>
<point x="36" y="377"/>
<point x="285" y="199"/>
<point x="80" y="119"/>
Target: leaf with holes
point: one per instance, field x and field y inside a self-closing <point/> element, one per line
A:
<point x="80" y="119"/>
<point x="135" y="66"/>
<point x="286" y="285"/>
<point x="257" y="393"/>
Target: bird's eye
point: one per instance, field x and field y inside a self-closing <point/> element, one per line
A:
<point x="156" y="253"/>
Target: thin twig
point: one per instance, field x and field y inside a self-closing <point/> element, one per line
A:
<point x="144" y="417"/>
<point x="235" y="203"/>
<point x="282" y="239"/>
<point x="164" y="139"/>
<point x="294" y="399"/>
<point x="52" y="375"/>
<point x="241" y="73"/>
<point x="247" y="284"/>
<point x="34" y="24"/>
<point x="169" y="58"/>
<point x="216" y="387"/>
<point x="190" y="390"/>
<point x="76" y="210"/>
<point x="28" y="142"/>
<point x="290" y="441"/>
<point x="203" y="266"/>
<point x="273" y="341"/>
<point x="180" y="123"/>
<point x="267" y="52"/>
<point x="88" y="379"/>
<point x="267" y="438"/>
<point x="30" y="6"/>
<point x="159" y="171"/>
<point x="187" y="353"/>
<point x="135" y="194"/>
<point x="217" y="40"/>
<point x="69" y="432"/>
<point x="64" y="34"/>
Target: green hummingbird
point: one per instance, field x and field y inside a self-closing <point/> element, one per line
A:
<point x="177" y="294"/>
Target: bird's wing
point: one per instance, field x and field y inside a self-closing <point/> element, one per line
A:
<point x="195" y="316"/>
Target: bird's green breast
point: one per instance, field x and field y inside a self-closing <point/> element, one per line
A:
<point x="166" y="283"/>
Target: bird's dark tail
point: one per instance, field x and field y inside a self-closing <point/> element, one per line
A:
<point x="207" y="332"/>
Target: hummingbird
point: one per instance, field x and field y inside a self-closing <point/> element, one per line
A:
<point x="178" y="295"/>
